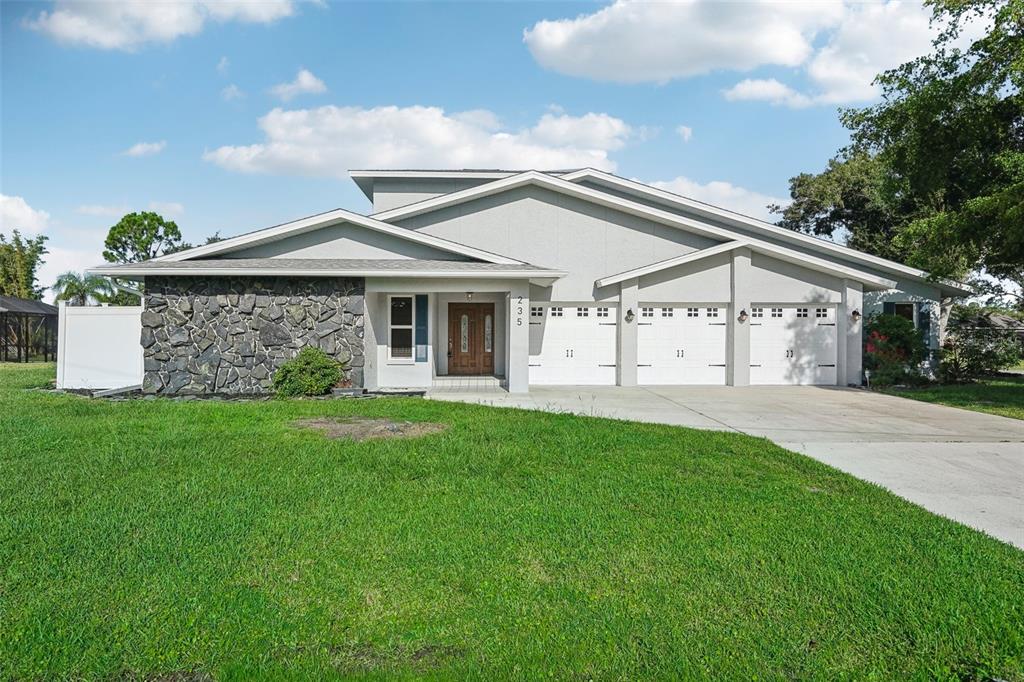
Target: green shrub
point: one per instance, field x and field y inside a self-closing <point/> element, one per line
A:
<point x="311" y="372"/>
<point x="972" y="352"/>
<point x="893" y="351"/>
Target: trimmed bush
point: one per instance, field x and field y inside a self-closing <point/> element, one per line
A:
<point x="311" y="372"/>
<point x="893" y="351"/>
<point x="973" y="352"/>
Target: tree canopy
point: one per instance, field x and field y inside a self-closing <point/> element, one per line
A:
<point x="20" y="259"/>
<point x="82" y="289"/>
<point x="934" y="174"/>
<point x="141" y="236"/>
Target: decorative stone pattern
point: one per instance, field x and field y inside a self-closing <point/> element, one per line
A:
<point x="203" y="335"/>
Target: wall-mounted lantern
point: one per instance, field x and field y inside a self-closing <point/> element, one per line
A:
<point x="855" y="315"/>
<point x="469" y="295"/>
<point x="743" y="316"/>
<point x="629" y="315"/>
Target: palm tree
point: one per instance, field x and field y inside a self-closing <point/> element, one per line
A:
<point x="80" y="289"/>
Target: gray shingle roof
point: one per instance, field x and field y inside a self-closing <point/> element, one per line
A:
<point x="321" y="266"/>
<point x="12" y="304"/>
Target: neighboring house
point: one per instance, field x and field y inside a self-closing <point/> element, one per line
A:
<point x="569" y="277"/>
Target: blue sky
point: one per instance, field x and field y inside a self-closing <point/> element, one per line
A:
<point x="723" y="101"/>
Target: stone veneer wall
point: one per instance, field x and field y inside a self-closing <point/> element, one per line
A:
<point x="204" y="335"/>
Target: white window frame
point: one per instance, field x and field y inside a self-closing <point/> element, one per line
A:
<point x="411" y="360"/>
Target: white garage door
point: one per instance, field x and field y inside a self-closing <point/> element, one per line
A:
<point x="681" y="344"/>
<point x="572" y="345"/>
<point x="793" y="345"/>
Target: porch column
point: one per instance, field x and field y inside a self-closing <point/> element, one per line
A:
<point x="629" y="301"/>
<point x="737" y="370"/>
<point x="849" y="354"/>
<point x="517" y="369"/>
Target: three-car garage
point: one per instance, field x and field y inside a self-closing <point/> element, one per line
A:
<point x="681" y="344"/>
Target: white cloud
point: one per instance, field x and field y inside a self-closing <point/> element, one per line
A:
<point x="129" y="24"/>
<point x="305" y="83"/>
<point x="724" y="195"/>
<point x="634" y="42"/>
<point x="590" y="131"/>
<point x="102" y="211"/>
<point x="168" y="209"/>
<point x="59" y="260"/>
<point x="145" y="148"/>
<point x="837" y="46"/>
<point x="16" y="214"/>
<point x="329" y="140"/>
<point x="766" y="90"/>
<point x="231" y="92"/>
<point x="223" y="65"/>
<point x="685" y="132"/>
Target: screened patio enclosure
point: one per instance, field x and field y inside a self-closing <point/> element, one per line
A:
<point x="28" y="330"/>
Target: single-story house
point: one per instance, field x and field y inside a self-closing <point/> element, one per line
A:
<point x="570" y="277"/>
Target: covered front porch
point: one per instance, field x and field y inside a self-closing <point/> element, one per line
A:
<point x="447" y="333"/>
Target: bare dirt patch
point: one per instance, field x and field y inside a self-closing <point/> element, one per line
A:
<point x="359" y="429"/>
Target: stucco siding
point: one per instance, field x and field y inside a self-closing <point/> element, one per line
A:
<point x="344" y="241"/>
<point x="775" y="281"/>
<point x="389" y="193"/>
<point x="551" y="230"/>
<point x="705" y="281"/>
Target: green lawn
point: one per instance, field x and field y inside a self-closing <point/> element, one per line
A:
<point x="996" y="395"/>
<point x="160" y="539"/>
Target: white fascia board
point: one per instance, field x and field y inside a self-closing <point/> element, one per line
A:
<point x="668" y="263"/>
<point x="766" y="227"/>
<point x="339" y="215"/>
<point x="299" y="272"/>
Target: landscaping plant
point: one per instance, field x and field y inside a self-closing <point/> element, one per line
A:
<point x="971" y="352"/>
<point x="893" y="351"/>
<point x="311" y="372"/>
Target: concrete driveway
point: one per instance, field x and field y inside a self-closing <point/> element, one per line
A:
<point x="964" y="465"/>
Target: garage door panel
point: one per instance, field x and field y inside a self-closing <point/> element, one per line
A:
<point x="573" y="345"/>
<point x="793" y="345"/>
<point x="681" y="344"/>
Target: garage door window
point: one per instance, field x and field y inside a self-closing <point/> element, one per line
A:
<point x="536" y="311"/>
<point x="647" y="312"/>
<point x="757" y="312"/>
<point x="583" y="312"/>
<point x="556" y="312"/>
<point x="666" y="312"/>
<point x="712" y="312"/>
<point x="801" y="312"/>
<point x="602" y="312"/>
<point x="821" y="312"/>
<point x="692" y="312"/>
<point x="776" y="312"/>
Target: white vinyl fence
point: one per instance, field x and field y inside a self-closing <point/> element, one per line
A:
<point x="99" y="346"/>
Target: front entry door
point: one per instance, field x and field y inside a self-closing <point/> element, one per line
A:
<point x="471" y="338"/>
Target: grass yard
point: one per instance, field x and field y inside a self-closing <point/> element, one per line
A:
<point x="172" y="540"/>
<point x="996" y="395"/>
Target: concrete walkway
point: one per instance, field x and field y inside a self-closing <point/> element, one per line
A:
<point x="967" y="466"/>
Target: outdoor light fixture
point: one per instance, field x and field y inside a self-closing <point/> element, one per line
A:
<point x="855" y="315"/>
<point x="743" y="316"/>
<point x="630" y="315"/>
<point x="469" y="295"/>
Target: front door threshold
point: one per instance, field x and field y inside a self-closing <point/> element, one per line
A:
<point x="469" y="384"/>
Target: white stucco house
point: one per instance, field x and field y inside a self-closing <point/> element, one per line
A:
<point x="570" y="277"/>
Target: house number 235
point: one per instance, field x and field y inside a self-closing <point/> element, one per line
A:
<point x="519" y="311"/>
